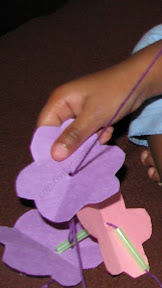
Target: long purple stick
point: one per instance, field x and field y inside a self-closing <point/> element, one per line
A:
<point x="72" y="223"/>
<point x="72" y="234"/>
<point x="140" y="80"/>
<point x="48" y="284"/>
<point x="154" y="277"/>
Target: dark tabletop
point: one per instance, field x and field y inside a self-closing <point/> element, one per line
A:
<point x="81" y="37"/>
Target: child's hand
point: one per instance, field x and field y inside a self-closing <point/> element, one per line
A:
<point x="93" y="100"/>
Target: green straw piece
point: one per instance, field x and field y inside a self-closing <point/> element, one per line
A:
<point x="66" y="244"/>
<point x="131" y="249"/>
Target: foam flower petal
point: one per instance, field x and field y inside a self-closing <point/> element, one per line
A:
<point x="42" y="142"/>
<point x="59" y="196"/>
<point x="30" y="248"/>
<point x="135" y="222"/>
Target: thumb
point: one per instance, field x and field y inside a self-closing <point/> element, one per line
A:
<point x="74" y="135"/>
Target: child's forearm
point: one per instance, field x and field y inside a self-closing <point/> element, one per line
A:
<point x="137" y="63"/>
<point x="155" y="144"/>
<point x="98" y="96"/>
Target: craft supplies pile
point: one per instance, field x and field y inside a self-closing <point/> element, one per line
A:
<point x="93" y="195"/>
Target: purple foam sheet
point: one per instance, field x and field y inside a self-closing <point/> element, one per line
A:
<point x="30" y="247"/>
<point x="59" y="196"/>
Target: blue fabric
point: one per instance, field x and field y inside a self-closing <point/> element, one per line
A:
<point x="147" y="120"/>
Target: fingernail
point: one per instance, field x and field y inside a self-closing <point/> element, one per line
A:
<point x="160" y="184"/>
<point x="144" y="156"/>
<point x="102" y="141"/>
<point x="60" y="152"/>
<point x="151" y="172"/>
<point x="110" y="129"/>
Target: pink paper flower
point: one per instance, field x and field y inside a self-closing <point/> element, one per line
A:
<point x="31" y="249"/>
<point x="59" y="196"/>
<point x="134" y="221"/>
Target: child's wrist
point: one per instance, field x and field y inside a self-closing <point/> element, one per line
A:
<point x="139" y="62"/>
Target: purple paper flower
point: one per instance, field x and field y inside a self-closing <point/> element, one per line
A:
<point x="31" y="249"/>
<point x="59" y="196"/>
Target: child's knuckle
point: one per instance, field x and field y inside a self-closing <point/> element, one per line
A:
<point x="74" y="134"/>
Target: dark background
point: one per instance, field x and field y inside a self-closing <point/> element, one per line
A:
<point x="78" y="38"/>
<point x="15" y="12"/>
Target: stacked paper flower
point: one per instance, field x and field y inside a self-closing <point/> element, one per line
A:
<point x="93" y="194"/>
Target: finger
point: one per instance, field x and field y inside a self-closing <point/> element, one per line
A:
<point x="63" y="104"/>
<point x="106" y="136"/>
<point x="147" y="159"/>
<point x="153" y="174"/>
<point x="76" y="134"/>
<point x="54" y="113"/>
